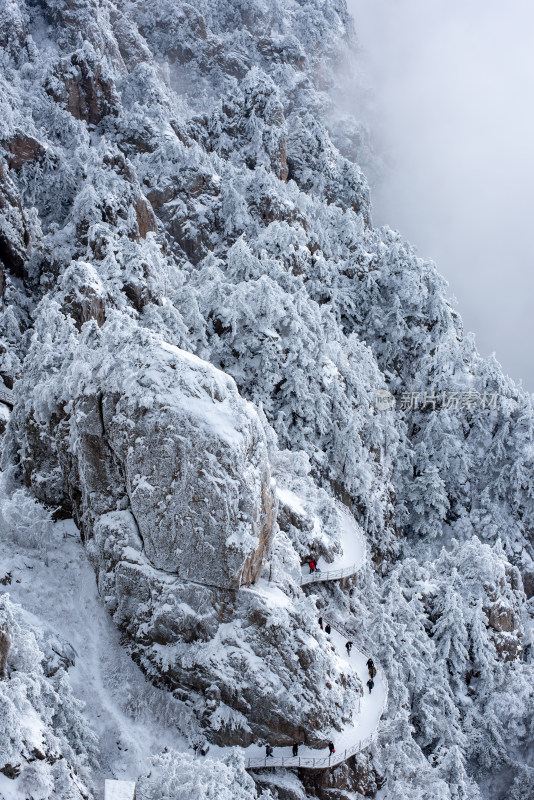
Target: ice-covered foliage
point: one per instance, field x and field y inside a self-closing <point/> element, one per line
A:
<point x="178" y="177"/>
<point x="165" y="469"/>
<point x="46" y="747"/>
<point x="25" y="520"/>
<point x="177" y="776"/>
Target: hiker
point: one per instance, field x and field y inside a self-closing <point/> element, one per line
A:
<point x="327" y="628"/>
<point x="372" y="672"/>
<point x="321" y="623"/>
<point x="370" y="663"/>
<point x="331" y="747"/>
<point x="268" y="751"/>
<point x="295" y="749"/>
<point x="349" y="647"/>
<point x="312" y="565"/>
<point x="370" y="684"/>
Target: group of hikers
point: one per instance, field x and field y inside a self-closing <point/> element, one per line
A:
<point x="327" y="629"/>
<point x="370" y="685"/>
<point x="349" y="644"/>
<point x="295" y="750"/>
<point x="372" y="674"/>
<point x="312" y="563"/>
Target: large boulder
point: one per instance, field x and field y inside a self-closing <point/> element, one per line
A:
<point x="165" y="467"/>
<point x="194" y="465"/>
<point x="156" y="430"/>
<point x="247" y="660"/>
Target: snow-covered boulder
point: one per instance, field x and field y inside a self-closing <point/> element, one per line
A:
<point x="155" y="430"/>
<point x="250" y="658"/>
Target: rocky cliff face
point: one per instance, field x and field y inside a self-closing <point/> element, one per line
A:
<point x="156" y="430"/>
<point x="165" y="469"/>
<point x="194" y="300"/>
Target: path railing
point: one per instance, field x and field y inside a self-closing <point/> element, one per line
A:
<point x="350" y="635"/>
<point x="320" y="576"/>
<point x="307" y="762"/>
<point x="6" y="396"/>
<point x="330" y="575"/>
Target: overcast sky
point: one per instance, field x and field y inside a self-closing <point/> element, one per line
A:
<point x="454" y="85"/>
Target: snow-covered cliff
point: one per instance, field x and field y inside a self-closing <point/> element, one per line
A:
<point x="196" y="308"/>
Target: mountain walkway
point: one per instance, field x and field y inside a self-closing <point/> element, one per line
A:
<point x="363" y="728"/>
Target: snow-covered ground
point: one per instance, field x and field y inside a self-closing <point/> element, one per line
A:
<point x="133" y="719"/>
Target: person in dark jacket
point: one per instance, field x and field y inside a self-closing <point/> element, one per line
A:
<point x="370" y="663"/>
<point x="295" y="749"/>
<point x="370" y="684"/>
<point x="331" y="747"/>
<point x="268" y="751"/>
<point x="321" y="623"/>
<point x="327" y="628"/>
<point x="348" y="645"/>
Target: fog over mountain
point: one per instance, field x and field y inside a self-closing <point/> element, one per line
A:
<point x="266" y="512"/>
<point x="453" y="83"/>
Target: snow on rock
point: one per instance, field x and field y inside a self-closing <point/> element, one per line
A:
<point x="250" y="657"/>
<point x="14" y="233"/>
<point x="155" y="430"/>
<point x="4" y="419"/>
<point x="57" y="588"/>
<point x="179" y="177"/>
<point x="306" y="513"/>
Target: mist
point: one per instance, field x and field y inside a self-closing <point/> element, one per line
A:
<point x="454" y="122"/>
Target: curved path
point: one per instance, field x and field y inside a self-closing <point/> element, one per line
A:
<point x="359" y="733"/>
<point x="352" y="540"/>
<point x="355" y="736"/>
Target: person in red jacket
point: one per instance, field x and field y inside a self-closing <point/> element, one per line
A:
<point x="312" y="565"/>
